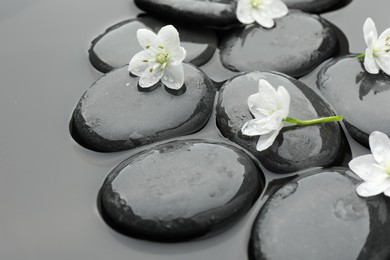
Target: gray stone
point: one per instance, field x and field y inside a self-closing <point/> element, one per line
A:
<point x="113" y="115"/>
<point x="316" y="6"/>
<point x="319" y="216"/>
<point x="296" y="147"/>
<point x="209" y="12"/>
<point x="284" y="48"/>
<point x="118" y="44"/>
<point x="180" y="190"/>
<point x="362" y="98"/>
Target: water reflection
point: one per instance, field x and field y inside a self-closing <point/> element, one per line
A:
<point x="377" y="83"/>
<point x="376" y="245"/>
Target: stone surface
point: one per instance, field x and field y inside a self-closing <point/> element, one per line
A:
<point x="180" y="190"/>
<point x="113" y="115"/>
<point x="295" y="148"/>
<point x="320" y="216"/>
<point x="209" y="12"/>
<point x="284" y="48"/>
<point x="316" y="6"/>
<point x="362" y="98"/>
<point x="118" y="44"/>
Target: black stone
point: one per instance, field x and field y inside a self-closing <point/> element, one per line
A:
<point x="296" y="147"/>
<point x="180" y="190"/>
<point x="362" y="98"/>
<point x="118" y="44"/>
<point x="113" y="115"/>
<point x="206" y="12"/>
<point x="316" y="6"/>
<point x="296" y="45"/>
<point x="320" y="216"/>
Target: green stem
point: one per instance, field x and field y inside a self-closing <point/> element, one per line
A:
<point x="313" y="121"/>
<point x="361" y="56"/>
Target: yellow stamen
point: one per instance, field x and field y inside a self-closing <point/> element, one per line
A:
<point x="256" y="3"/>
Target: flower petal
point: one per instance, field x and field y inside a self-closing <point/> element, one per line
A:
<point x="169" y="37"/>
<point x="372" y="188"/>
<point x="177" y="55"/>
<point x="267" y="140"/>
<point x="265" y="102"/>
<point x="137" y="64"/>
<point x="284" y="101"/>
<point x="250" y="128"/>
<point x="370" y="32"/>
<point x="265" y="88"/>
<point x="173" y="76"/>
<point x="261" y="105"/>
<point x="244" y="12"/>
<point x="384" y="62"/>
<point x="262" y="18"/>
<point x="383" y="36"/>
<point x="262" y="126"/>
<point x="380" y="148"/>
<point x="147" y="38"/>
<point x="366" y="167"/>
<point x="151" y="76"/>
<point x="387" y="192"/>
<point x="276" y="8"/>
<point x="369" y="62"/>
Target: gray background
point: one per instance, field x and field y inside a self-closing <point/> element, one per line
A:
<point x="48" y="183"/>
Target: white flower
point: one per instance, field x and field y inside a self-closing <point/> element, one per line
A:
<point x="161" y="58"/>
<point x="270" y="108"/>
<point x="377" y="54"/>
<point x="261" y="11"/>
<point x="374" y="169"/>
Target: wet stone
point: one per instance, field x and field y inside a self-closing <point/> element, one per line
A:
<point x="315" y="6"/>
<point x="207" y="12"/>
<point x="180" y="190"/>
<point x="296" y="147"/>
<point x="362" y="98"/>
<point x="296" y="45"/>
<point x="320" y="216"/>
<point x="119" y="43"/>
<point x="113" y="115"/>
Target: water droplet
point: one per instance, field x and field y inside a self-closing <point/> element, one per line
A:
<point x="95" y="122"/>
<point x="286" y="191"/>
<point x="212" y="194"/>
<point x="350" y="208"/>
